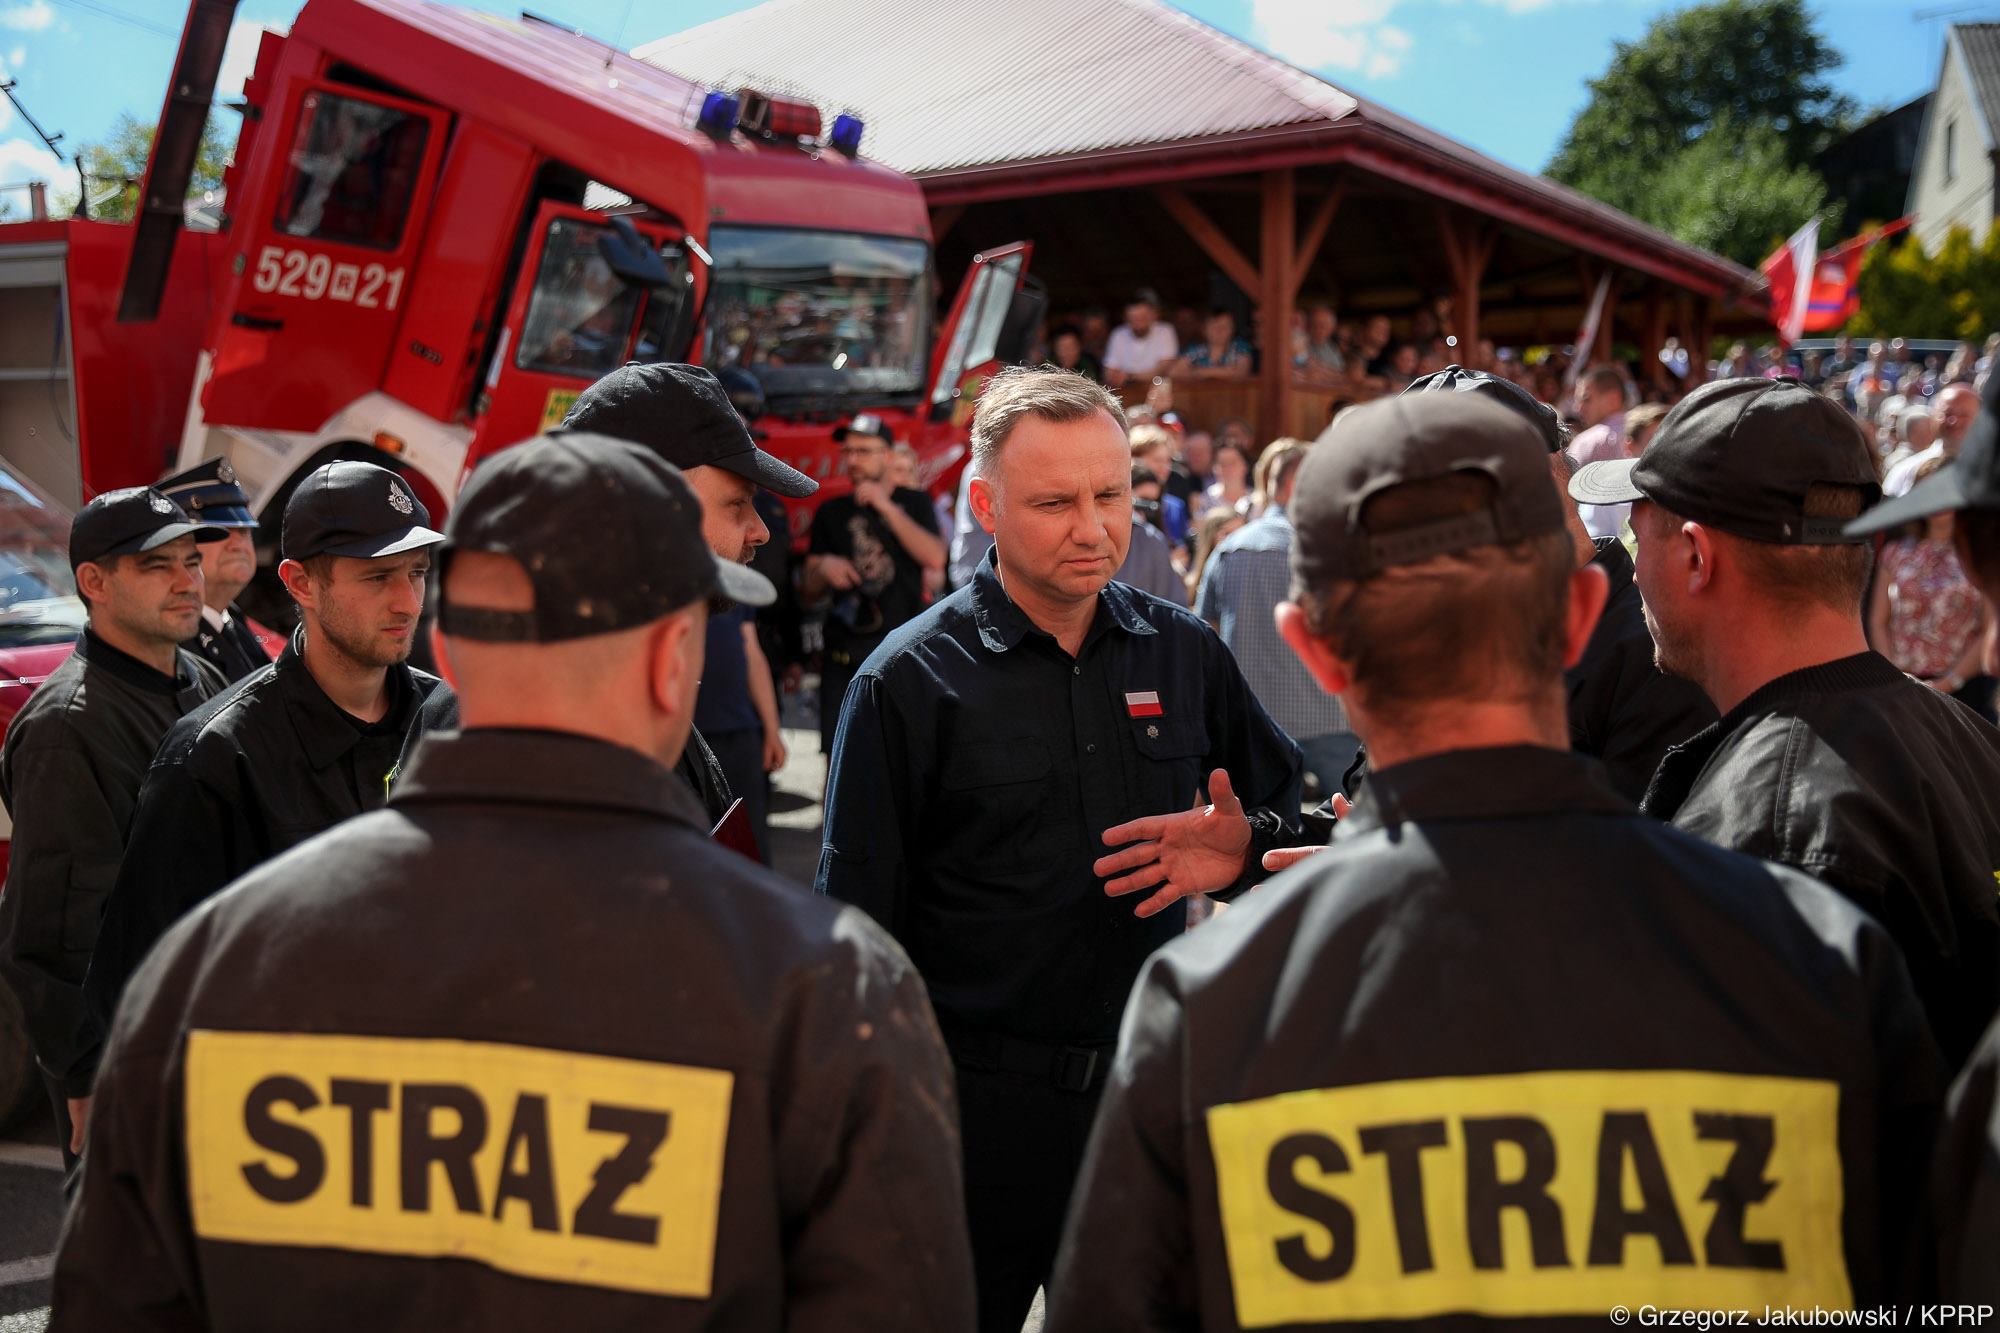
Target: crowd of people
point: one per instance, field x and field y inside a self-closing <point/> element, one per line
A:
<point x="1519" y="853"/>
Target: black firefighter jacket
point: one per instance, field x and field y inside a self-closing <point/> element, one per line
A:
<point x="70" y="774"/>
<point x="523" y="1050"/>
<point x="254" y="772"/>
<point x="1884" y="789"/>
<point x="1507" y="1048"/>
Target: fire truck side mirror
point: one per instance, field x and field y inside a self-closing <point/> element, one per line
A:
<point x="628" y="255"/>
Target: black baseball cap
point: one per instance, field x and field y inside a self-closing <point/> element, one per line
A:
<point x="641" y="556"/>
<point x="128" y="521"/>
<point x="1970" y="481"/>
<point x="208" y="491"/>
<point x="1417" y="438"/>
<point x="1457" y="379"/>
<point x="1739" y="455"/>
<point x="682" y="414"/>
<point x="865" y="424"/>
<point x="358" y="509"/>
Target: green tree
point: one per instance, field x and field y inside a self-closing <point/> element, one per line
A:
<point x="1954" y="293"/>
<point x="1734" y="191"/>
<point x="1707" y="125"/>
<point x="122" y="158"/>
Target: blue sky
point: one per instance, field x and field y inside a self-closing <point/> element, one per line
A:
<point x="1505" y="76"/>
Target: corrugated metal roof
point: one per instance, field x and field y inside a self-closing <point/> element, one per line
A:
<point x="949" y="89"/>
<point x="1979" y="44"/>
<point x="958" y="85"/>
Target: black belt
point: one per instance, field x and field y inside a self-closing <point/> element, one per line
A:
<point x="1068" y="1066"/>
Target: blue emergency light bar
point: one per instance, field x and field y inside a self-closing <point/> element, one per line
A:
<point x="719" y="112"/>
<point x="846" y="135"/>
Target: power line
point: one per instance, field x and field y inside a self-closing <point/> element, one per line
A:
<point x="7" y="86"/>
<point x="120" y="16"/>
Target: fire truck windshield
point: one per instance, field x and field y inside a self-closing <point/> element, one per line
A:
<point x="38" y="601"/>
<point x="819" y="314"/>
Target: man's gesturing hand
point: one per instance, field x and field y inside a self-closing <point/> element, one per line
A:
<point x="1195" y="851"/>
<point x="1281" y="858"/>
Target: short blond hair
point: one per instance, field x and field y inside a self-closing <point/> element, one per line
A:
<point x="1147" y="437"/>
<point x="1047" y="393"/>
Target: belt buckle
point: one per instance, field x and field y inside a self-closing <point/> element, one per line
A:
<point x="1075" y="1069"/>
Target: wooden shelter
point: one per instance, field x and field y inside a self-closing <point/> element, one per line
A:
<point x="1138" y="147"/>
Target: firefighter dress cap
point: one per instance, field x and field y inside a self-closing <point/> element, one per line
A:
<point x="208" y="491"/>
<point x="1457" y="379"/>
<point x="1740" y="456"/>
<point x="355" y="509"/>
<point x="1970" y="481"/>
<point x="126" y="522"/>
<point x="1416" y="438"/>
<point x="682" y="414"/>
<point x="640" y="556"/>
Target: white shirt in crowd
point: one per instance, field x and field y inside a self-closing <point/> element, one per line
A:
<point x="1128" y="352"/>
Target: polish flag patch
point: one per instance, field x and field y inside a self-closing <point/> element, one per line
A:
<point x="1144" y="704"/>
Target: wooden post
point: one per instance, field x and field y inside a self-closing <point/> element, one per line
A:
<point x="1210" y="238"/>
<point x="1652" y="369"/>
<point x="1277" y="251"/>
<point x="1704" y="334"/>
<point x="1468" y="248"/>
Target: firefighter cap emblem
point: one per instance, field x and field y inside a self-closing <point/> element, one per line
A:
<point x="225" y="473"/>
<point x="160" y="503"/>
<point x="399" y="499"/>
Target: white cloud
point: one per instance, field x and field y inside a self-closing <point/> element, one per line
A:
<point x="239" y="58"/>
<point x="26" y="160"/>
<point x="34" y="16"/>
<point x="1332" y="34"/>
<point x="17" y="57"/>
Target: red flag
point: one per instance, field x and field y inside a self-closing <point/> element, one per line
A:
<point x="1836" y="285"/>
<point x="1790" y="271"/>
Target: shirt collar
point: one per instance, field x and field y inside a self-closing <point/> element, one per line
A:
<point x="326" y="730"/>
<point x="1002" y="624"/>
<point x="130" y="669"/>
<point x="1482" y="784"/>
<point x="217" y="620"/>
<point x="1859" y="672"/>
<point x="543" y="768"/>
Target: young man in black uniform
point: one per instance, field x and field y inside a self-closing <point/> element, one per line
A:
<point x="301" y="744"/>
<point x="684" y="415"/>
<point x="1449" y="1069"/>
<point x="869" y="550"/>
<point x="75" y="756"/>
<point x="649" y="1085"/>
<point x="1966" y="1178"/>
<point x="1826" y="758"/>
<point x="208" y="491"/>
<point x="989" y="750"/>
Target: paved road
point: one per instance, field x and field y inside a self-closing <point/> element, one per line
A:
<point x="31" y="1203"/>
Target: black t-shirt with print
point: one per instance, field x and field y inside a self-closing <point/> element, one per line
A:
<point x="891" y="590"/>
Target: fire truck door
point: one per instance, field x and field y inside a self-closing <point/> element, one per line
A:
<point x="573" y="320"/>
<point x="970" y="335"/>
<point x="329" y="248"/>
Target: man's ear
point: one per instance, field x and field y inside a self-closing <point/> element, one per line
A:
<point x="1589" y="589"/>
<point x="985" y="503"/>
<point x="442" y="657"/>
<point x="1701" y="553"/>
<point x="1326" y="666"/>
<point x="297" y="581"/>
<point x="93" y="582"/>
<point x="672" y="659"/>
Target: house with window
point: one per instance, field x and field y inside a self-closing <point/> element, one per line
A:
<point x="1953" y="184"/>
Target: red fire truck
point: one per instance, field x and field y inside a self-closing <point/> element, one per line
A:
<point x="438" y="228"/>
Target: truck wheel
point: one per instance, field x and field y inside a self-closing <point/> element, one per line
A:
<point x="20" y="1084"/>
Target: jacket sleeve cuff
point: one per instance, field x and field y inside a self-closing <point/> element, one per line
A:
<point x="1267" y="833"/>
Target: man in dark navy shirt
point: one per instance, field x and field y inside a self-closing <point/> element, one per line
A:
<point x="990" y="749"/>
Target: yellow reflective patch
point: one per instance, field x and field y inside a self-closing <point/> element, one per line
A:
<point x="549" y="1164"/>
<point x="1532" y="1194"/>
<point x="557" y="406"/>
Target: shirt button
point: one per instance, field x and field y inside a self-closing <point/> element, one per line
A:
<point x="1090" y="749"/>
<point x="1076" y="671"/>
